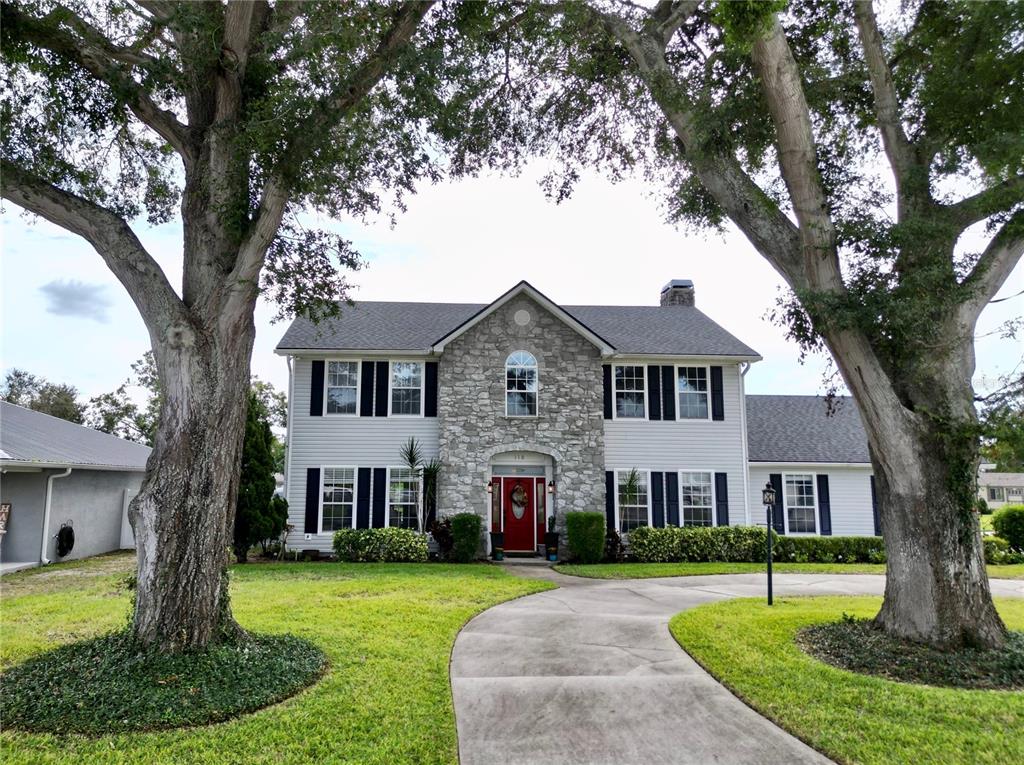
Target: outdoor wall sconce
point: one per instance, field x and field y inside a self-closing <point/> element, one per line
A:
<point x="551" y="487"/>
<point x="490" y="488"/>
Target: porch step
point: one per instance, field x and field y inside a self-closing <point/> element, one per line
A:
<point x="529" y="561"/>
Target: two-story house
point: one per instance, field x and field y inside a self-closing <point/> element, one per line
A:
<point x="535" y="409"/>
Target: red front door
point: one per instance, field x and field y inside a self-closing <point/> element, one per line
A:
<point x="519" y="514"/>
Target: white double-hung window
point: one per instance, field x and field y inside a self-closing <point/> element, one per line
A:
<point x="696" y="503"/>
<point x="692" y="392"/>
<point x="407" y="387"/>
<point x="339" y="497"/>
<point x="629" y="392"/>
<point x="403" y="498"/>
<point x="801" y="510"/>
<point x="634" y="510"/>
<point x="342" y="387"/>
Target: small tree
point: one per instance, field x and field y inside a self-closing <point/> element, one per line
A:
<point x="256" y="483"/>
<point x="412" y="456"/>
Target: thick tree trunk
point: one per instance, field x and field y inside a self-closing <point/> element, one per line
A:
<point x="924" y="449"/>
<point x="184" y="512"/>
<point x="936" y="588"/>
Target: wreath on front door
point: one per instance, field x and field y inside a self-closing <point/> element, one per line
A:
<point x="519" y="501"/>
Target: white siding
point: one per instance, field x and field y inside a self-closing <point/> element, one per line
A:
<point x="849" y="489"/>
<point x="686" y="444"/>
<point x="341" y="441"/>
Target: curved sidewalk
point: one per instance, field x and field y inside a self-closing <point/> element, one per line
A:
<point x="589" y="674"/>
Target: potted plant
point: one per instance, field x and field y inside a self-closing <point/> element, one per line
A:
<point x="497" y="545"/>
<point x="551" y="539"/>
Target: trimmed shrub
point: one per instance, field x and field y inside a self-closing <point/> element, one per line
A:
<point x="585" y="536"/>
<point x="747" y="544"/>
<point x="981" y="506"/>
<point x="998" y="551"/>
<point x="1008" y="522"/>
<point x="465" y="536"/>
<point x="829" y="550"/>
<point x="380" y="546"/>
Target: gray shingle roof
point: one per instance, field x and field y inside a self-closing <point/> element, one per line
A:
<point x="799" y="429"/>
<point x="33" y="437"/>
<point x="394" y="326"/>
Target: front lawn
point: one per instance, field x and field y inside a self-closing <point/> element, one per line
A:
<point x="650" y="570"/>
<point x="751" y="648"/>
<point x="387" y="630"/>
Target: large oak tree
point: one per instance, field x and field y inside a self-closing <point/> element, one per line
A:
<point x="855" y="155"/>
<point x="236" y="116"/>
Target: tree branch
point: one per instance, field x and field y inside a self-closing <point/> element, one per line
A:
<point x="993" y="267"/>
<point x="324" y="117"/>
<point x="756" y="214"/>
<point x="998" y="198"/>
<point x="898" y="148"/>
<point x="668" y="16"/>
<point x="100" y="58"/>
<point x="109" y="235"/>
<point x="798" y="160"/>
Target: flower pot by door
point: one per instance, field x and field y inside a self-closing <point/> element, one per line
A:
<point x="551" y="545"/>
<point x="497" y="545"/>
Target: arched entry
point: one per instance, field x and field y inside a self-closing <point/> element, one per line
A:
<point x="520" y="502"/>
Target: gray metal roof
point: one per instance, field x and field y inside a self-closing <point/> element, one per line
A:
<point x="800" y="429"/>
<point x="395" y="326"/>
<point x="35" y="438"/>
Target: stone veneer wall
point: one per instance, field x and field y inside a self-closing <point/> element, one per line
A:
<point x="471" y="410"/>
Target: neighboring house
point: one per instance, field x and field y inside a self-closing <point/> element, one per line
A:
<point x="534" y="408"/>
<point x="54" y="473"/>
<point x="1000" y="489"/>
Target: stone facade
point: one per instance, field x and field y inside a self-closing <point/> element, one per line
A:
<point x="569" y="425"/>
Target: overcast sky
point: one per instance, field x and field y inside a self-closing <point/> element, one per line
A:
<point x="65" y="317"/>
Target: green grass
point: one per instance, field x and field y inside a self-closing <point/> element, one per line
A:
<point x="852" y="718"/>
<point x="649" y="570"/>
<point x="387" y="630"/>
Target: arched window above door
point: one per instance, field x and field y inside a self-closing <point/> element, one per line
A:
<point x="521" y="385"/>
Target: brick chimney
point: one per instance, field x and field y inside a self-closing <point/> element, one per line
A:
<point x="677" y="292"/>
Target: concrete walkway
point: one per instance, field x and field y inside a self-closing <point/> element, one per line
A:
<point x="590" y="674"/>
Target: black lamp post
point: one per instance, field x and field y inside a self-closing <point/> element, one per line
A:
<point x="768" y="498"/>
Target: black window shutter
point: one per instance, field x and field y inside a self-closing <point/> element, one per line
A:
<point x="607" y="371"/>
<point x="874" y="509"/>
<point x="654" y="392"/>
<point x="381" y="389"/>
<point x="778" y="522"/>
<point x="717" y="395"/>
<point x="430" y="389"/>
<point x="609" y="497"/>
<point x="313" y="500"/>
<point x="722" y="499"/>
<point x="658" y="499"/>
<point x="824" y="506"/>
<point x="363" y="499"/>
<point x="316" y="388"/>
<point x="672" y="497"/>
<point x="366" y="389"/>
<point x="380" y="495"/>
<point x="668" y="393"/>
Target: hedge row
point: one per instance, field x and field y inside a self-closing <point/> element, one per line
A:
<point x="746" y="544"/>
<point x="380" y="546"/>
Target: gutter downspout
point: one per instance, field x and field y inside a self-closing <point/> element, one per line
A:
<point x="744" y="368"/>
<point x="43" y="560"/>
